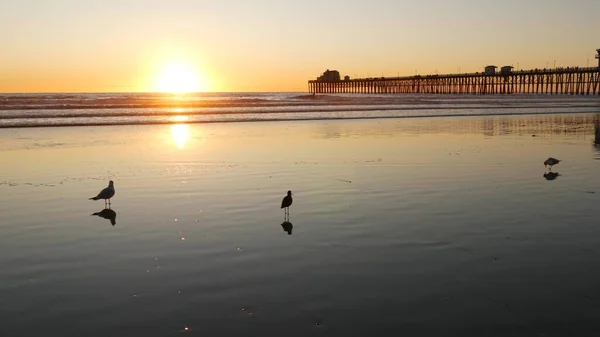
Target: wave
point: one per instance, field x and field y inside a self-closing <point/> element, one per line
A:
<point x="88" y="113"/>
<point x="230" y="100"/>
<point x="133" y="100"/>
<point x="263" y="117"/>
<point x="38" y="110"/>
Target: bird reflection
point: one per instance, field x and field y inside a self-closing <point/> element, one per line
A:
<point x="287" y="226"/>
<point x="108" y="214"/>
<point x="551" y="175"/>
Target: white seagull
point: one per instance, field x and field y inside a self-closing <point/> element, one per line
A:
<point x="551" y="162"/>
<point x="106" y="193"/>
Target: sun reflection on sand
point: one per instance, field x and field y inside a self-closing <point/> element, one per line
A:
<point x="180" y="134"/>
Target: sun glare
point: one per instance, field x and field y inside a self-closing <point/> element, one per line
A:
<point x="180" y="134"/>
<point x="179" y="118"/>
<point x="179" y="78"/>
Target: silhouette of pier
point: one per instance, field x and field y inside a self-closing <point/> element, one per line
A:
<point x="554" y="81"/>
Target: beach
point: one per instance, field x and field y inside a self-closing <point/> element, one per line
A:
<point x="417" y="226"/>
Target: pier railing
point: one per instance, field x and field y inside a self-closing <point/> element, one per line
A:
<point x="554" y="81"/>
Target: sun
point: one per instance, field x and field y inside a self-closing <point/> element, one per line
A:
<point x="179" y="77"/>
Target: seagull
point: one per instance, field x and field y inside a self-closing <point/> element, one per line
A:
<point x="551" y="162"/>
<point x="106" y="193"/>
<point x="286" y="203"/>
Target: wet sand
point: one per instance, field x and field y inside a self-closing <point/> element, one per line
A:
<point x="428" y="227"/>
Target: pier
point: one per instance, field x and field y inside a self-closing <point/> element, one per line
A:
<point x="555" y="81"/>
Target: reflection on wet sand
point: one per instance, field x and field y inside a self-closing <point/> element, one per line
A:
<point x="597" y="148"/>
<point x="287" y="226"/>
<point x="489" y="126"/>
<point x="380" y="226"/>
<point x="597" y="136"/>
<point x="180" y="134"/>
<point x="108" y="214"/>
<point x="551" y="175"/>
<point x="597" y="130"/>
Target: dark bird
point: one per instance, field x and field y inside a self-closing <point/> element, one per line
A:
<point x="551" y="162"/>
<point x="551" y="175"/>
<point x="108" y="214"/>
<point x="287" y="226"/>
<point x="106" y="193"/>
<point x="286" y="203"/>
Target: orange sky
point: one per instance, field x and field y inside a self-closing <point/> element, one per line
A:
<point x="113" y="46"/>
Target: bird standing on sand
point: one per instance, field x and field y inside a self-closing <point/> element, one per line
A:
<point x="286" y="203"/>
<point x="106" y="193"/>
<point x="551" y="162"/>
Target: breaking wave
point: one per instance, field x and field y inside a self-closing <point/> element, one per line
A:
<point x="46" y="110"/>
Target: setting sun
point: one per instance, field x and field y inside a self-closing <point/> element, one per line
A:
<point x="179" y="78"/>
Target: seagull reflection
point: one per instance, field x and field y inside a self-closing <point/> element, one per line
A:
<point x="551" y="175"/>
<point x="287" y="226"/>
<point x="108" y="214"/>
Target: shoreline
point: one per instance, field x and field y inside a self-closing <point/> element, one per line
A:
<point x="499" y="114"/>
<point x="365" y="108"/>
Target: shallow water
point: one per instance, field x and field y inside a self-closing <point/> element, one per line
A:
<point x="423" y="226"/>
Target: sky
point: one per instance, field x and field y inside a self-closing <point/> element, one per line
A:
<point x="278" y="45"/>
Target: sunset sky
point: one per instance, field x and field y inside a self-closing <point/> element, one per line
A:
<point x="278" y="45"/>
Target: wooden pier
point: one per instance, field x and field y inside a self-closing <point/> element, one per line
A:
<point x="555" y="81"/>
<point x="559" y="81"/>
